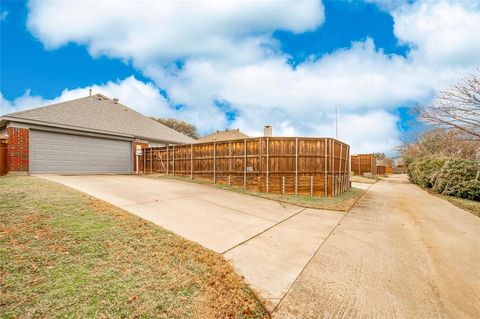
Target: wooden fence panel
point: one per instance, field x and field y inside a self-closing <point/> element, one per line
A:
<point x="281" y="165"/>
<point x="364" y="163"/>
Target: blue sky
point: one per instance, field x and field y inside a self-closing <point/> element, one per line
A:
<point x="288" y="65"/>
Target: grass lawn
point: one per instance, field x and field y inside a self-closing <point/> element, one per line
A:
<point x="342" y="202"/>
<point x="466" y="204"/>
<point x="65" y="254"/>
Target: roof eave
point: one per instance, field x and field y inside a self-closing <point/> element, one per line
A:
<point x="5" y="119"/>
<point x="69" y="127"/>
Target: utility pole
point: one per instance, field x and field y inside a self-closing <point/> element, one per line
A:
<point x="336" y="123"/>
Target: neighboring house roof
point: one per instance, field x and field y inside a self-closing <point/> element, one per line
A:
<point x="98" y="113"/>
<point x="223" y="136"/>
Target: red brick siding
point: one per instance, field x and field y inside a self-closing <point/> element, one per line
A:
<point x="17" y="154"/>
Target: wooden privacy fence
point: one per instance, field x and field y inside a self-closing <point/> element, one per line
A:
<point x="381" y="169"/>
<point x="294" y="166"/>
<point x="364" y="163"/>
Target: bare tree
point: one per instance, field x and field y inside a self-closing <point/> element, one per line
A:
<point x="179" y="126"/>
<point x="457" y="108"/>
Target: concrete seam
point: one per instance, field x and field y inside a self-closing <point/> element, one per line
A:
<point x="265" y="230"/>
<point x="308" y="262"/>
<point x="316" y="251"/>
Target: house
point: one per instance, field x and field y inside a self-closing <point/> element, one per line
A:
<point x="93" y="134"/>
<point x="233" y="134"/>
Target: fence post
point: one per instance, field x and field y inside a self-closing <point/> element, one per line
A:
<point x="331" y="158"/>
<point x="230" y="156"/>
<point x="173" y="160"/>
<point x="214" y="162"/>
<point x="359" y="167"/>
<point x="245" y="163"/>
<point x="340" y="168"/>
<point x="296" y="166"/>
<point x="334" y="182"/>
<point x="349" y="166"/>
<point x="151" y="161"/>
<point x="325" y="191"/>
<point x="311" y="185"/>
<point x="267" y="169"/>
<point x="191" y="161"/>
<point x="283" y="185"/>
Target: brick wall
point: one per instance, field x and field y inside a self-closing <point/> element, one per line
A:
<point x="17" y="154"/>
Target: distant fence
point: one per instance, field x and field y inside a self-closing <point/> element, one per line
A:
<point x="291" y="166"/>
<point x="384" y="169"/>
<point x="364" y="163"/>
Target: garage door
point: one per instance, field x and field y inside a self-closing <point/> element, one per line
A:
<point x="73" y="154"/>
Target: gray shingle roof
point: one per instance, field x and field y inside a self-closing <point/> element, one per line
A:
<point x="223" y="136"/>
<point x="100" y="113"/>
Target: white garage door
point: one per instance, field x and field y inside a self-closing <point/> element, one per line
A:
<point x="73" y="154"/>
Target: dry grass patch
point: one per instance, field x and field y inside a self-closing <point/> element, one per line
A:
<point x="362" y="179"/>
<point x="343" y="202"/>
<point x="470" y="206"/>
<point x="64" y="254"/>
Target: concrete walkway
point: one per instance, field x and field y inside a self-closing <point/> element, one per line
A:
<point x="399" y="253"/>
<point x="268" y="242"/>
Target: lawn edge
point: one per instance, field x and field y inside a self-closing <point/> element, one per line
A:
<point x="241" y="191"/>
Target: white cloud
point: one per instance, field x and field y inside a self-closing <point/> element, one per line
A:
<point x="443" y="32"/>
<point x="25" y="101"/>
<point x="143" y="97"/>
<point x="169" y="30"/>
<point x="229" y="56"/>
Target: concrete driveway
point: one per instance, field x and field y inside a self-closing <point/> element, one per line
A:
<point x="268" y="242"/>
<point x="399" y="253"/>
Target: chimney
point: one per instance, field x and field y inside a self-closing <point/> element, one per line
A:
<point x="267" y="131"/>
<point x="115" y="100"/>
<point x="89" y="92"/>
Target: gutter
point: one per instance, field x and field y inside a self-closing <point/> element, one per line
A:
<point x="83" y="129"/>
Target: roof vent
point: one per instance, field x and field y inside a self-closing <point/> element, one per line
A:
<point x="115" y="100"/>
<point x="99" y="96"/>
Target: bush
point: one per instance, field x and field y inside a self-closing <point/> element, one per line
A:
<point x="448" y="176"/>
<point x="457" y="178"/>
<point x="468" y="190"/>
<point x="423" y="171"/>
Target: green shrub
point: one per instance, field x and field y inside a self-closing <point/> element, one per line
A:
<point x="468" y="189"/>
<point x="457" y="178"/>
<point x="448" y="176"/>
<point x="423" y="171"/>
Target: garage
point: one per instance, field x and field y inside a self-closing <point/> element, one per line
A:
<point x="59" y="153"/>
<point x="88" y="135"/>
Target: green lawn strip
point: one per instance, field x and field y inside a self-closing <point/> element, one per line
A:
<point x="65" y="254"/>
<point x="343" y="202"/>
